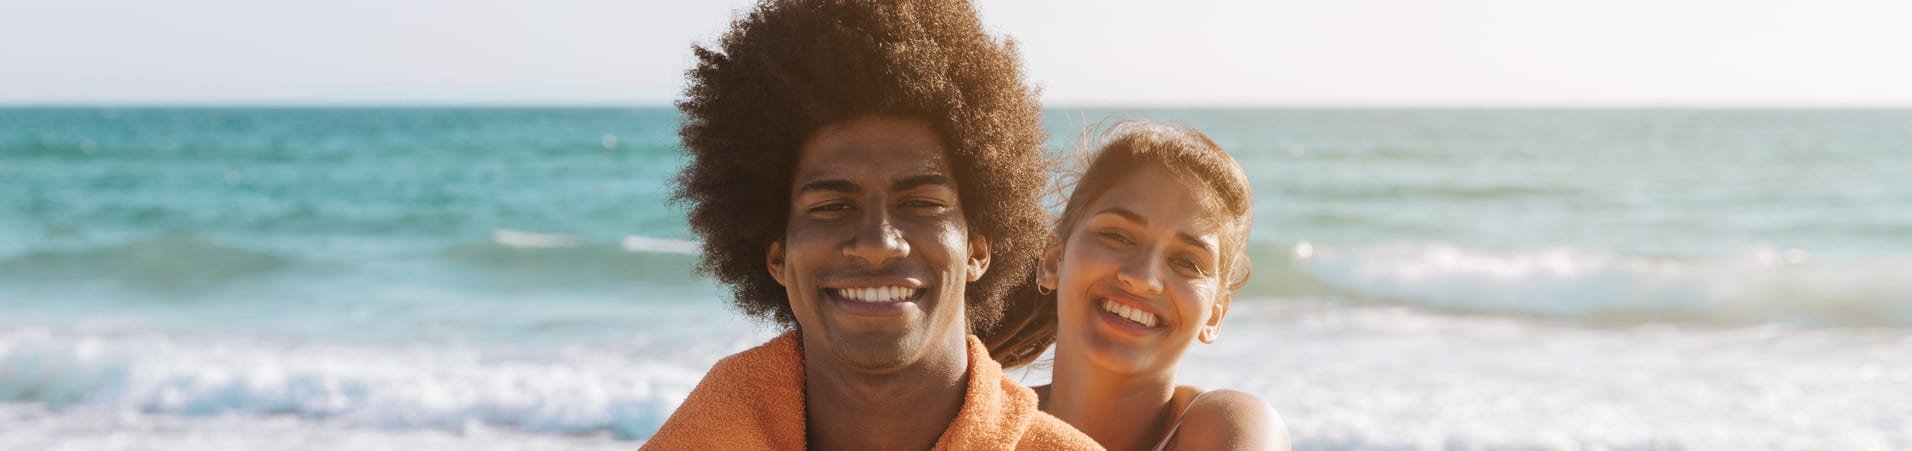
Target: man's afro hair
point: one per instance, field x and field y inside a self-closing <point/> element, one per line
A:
<point x="791" y="67"/>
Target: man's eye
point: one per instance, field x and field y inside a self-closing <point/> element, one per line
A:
<point x="924" y="207"/>
<point x="831" y="207"/>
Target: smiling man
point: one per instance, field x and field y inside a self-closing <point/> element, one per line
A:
<point x="866" y="175"/>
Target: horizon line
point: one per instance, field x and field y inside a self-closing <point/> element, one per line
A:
<point x="1057" y="106"/>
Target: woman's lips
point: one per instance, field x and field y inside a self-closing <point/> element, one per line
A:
<point x="1131" y="314"/>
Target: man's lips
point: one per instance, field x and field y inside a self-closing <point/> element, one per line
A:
<point x="886" y="301"/>
<point x="875" y="295"/>
<point x="885" y="294"/>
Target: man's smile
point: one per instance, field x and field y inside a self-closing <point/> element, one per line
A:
<point x="876" y="296"/>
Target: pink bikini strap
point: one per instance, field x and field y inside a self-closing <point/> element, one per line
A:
<point x="1163" y="445"/>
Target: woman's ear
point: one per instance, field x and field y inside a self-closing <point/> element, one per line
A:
<point x="1047" y="268"/>
<point x="1212" y="330"/>
<point x="978" y="256"/>
<point x="773" y="259"/>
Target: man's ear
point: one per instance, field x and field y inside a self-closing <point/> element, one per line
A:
<point x="978" y="256"/>
<point x="1048" y="269"/>
<point x="1212" y="330"/>
<point x="773" y="258"/>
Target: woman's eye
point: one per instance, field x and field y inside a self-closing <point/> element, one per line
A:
<point x="1115" y="237"/>
<point x="1189" y="266"/>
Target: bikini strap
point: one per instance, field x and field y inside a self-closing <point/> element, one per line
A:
<point x="1163" y="445"/>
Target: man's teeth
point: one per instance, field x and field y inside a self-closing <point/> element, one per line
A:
<point x="1132" y="314"/>
<point x="877" y="294"/>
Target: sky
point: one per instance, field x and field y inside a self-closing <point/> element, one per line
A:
<point x="1268" y="53"/>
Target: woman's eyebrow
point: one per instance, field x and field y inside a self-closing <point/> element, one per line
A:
<point x="1199" y="243"/>
<point x="1125" y="214"/>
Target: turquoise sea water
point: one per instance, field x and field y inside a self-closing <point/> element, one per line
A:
<point x="388" y="278"/>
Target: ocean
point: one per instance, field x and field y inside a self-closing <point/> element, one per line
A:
<point x="497" y="278"/>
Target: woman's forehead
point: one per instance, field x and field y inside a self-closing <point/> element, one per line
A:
<point x="1160" y="202"/>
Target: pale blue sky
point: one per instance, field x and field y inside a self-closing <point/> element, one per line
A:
<point x="1082" y="52"/>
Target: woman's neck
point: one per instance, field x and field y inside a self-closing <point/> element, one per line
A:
<point x="1120" y="411"/>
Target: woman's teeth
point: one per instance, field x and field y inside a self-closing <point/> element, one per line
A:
<point x="877" y="294"/>
<point x="1129" y="313"/>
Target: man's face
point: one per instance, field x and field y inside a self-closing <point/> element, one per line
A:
<point x="877" y="252"/>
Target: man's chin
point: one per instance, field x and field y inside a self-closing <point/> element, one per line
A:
<point x="876" y="352"/>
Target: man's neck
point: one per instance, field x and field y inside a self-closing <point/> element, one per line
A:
<point x="904" y="409"/>
<point x="1120" y="411"/>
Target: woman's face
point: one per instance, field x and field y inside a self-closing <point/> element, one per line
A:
<point x="1138" y="277"/>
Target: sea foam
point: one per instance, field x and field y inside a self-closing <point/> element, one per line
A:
<point x="573" y="390"/>
<point x="1400" y="378"/>
<point x="637" y="243"/>
<point x="1761" y="286"/>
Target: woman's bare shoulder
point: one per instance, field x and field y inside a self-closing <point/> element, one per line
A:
<point x="1230" y="419"/>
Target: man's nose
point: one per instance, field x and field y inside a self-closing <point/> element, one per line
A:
<point x="877" y="240"/>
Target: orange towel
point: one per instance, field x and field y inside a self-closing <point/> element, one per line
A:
<point x="754" y="400"/>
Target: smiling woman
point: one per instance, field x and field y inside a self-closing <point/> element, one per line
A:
<point x="1147" y="256"/>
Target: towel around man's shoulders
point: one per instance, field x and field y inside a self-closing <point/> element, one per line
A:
<point x="754" y="400"/>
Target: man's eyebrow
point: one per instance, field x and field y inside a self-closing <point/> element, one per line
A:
<point x="835" y="185"/>
<point x="914" y="182"/>
<point x="1125" y="214"/>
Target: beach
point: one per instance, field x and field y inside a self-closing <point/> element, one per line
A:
<point x="512" y="278"/>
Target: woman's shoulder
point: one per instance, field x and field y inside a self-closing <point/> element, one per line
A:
<point x="1230" y="419"/>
